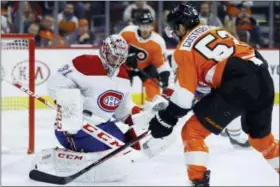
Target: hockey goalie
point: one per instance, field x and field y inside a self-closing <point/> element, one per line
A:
<point x="93" y="89"/>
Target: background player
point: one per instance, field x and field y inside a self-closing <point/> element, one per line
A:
<point x="149" y="49"/>
<point x="241" y="84"/>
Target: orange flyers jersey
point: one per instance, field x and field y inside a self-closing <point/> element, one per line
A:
<point x="149" y="51"/>
<point x="201" y="57"/>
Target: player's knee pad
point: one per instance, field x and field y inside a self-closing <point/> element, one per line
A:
<point x="214" y="113"/>
<point x="193" y="129"/>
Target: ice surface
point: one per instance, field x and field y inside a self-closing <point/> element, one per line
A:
<point x="229" y="166"/>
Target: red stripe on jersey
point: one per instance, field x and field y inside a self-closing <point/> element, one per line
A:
<point x="89" y="65"/>
<point x="123" y="73"/>
<point x="92" y="65"/>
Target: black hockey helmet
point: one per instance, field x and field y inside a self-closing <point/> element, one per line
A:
<point x="144" y="18"/>
<point x="184" y="14"/>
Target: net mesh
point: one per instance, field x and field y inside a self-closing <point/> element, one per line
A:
<point x="15" y="108"/>
<point x="15" y="67"/>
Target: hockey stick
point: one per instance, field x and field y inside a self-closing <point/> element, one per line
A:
<point x="49" y="178"/>
<point x="32" y="94"/>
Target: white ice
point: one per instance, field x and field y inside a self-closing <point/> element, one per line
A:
<point x="229" y="166"/>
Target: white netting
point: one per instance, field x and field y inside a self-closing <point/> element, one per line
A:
<point x="14" y="44"/>
<point x="15" y="67"/>
<point x="15" y="108"/>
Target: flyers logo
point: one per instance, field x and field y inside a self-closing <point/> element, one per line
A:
<point x="109" y="100"/>
<point x="141" y="53"/>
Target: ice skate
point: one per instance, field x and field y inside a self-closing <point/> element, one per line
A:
<point x="237" y="139"/>
<point x="204" y="182"/>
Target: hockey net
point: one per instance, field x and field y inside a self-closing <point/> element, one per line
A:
<point x="17" y="108"/>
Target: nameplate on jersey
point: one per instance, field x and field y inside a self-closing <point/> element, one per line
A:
<point x="193" y="36"/>
<point x="109" y="100"/>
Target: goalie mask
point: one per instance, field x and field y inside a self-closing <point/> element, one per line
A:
<point x="113" y="52"/>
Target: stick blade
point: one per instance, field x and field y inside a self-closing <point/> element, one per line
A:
<point x="48" y="178"/>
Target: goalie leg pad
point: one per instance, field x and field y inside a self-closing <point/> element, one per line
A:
<point x="66" y="162"/>
<point x="82" y="142"/>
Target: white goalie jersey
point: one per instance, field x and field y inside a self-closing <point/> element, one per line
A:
<point x="104" y="96"/>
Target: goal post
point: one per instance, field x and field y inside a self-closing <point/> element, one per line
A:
<point x="18" y="64"/>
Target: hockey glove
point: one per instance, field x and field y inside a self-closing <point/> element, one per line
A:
<point x="162" y="124"/>
<point x="131" y="61"/>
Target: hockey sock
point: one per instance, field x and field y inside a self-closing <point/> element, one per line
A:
<point x="269" y="147"/>
<point x="196" y="151"/>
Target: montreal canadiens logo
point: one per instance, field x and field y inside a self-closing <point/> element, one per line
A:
<point x="109" y="100"/>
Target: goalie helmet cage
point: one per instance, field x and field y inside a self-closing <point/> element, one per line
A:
<point x="15" y="45"/>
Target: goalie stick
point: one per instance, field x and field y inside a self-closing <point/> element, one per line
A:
<point x="49" y="178"/>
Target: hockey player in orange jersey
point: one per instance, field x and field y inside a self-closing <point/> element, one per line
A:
<point x="147" y="53"/>
<point x="241" y="85"/>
